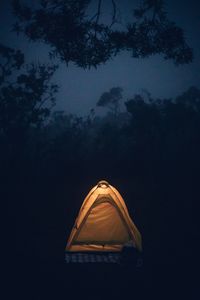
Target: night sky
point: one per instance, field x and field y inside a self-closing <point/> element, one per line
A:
<point x="80" y="89"/>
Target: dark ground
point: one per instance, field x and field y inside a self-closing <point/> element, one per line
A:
<point x="50" y="280"/>
<point x="36" y="267"/>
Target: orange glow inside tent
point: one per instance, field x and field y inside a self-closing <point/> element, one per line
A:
<point x="103" y="222"/>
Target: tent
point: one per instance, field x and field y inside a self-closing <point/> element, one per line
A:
<point x="103" y="223"/>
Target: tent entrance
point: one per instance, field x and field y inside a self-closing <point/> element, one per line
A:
<point x="103" y="225"/>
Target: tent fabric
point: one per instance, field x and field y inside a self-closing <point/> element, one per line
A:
<point x="103" y="222"/>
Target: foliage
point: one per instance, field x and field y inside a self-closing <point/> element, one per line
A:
<point x="76" y="36"/>
<point x="26" y="94"/>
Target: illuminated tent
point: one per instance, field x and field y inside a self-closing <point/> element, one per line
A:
<point x="103" y="223"/>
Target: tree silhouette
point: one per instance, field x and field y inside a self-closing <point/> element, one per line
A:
<point x="86" y="40"/>
<point x="190" y="98"/>
<point x="26" y="93"/>
<point x="111" y="100"/>
<point x="26" y="98"/>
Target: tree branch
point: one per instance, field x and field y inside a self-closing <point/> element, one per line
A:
<point x="98" y="15"/>
<point x="114" y="13"/>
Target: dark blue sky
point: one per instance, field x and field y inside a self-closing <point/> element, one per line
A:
<point x="80" y="89"/>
